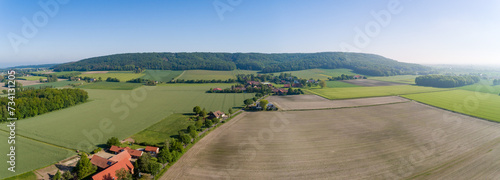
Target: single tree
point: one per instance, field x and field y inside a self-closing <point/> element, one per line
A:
<point x="248" y="102"/>
<point x="263" y="104"/>
<point x="83" y="167"/>
<point x="322" y="83"/>
<point x="230" y="111"/>
<point x="203" y="113"/>
<point x="197" y="109"/>
<point x="67" y="175"/>
<point x="113" y="141"/>
<point x="57" y="176"/>
<point x="123" y="174"/>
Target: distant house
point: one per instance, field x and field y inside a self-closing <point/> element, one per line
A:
<point x="92" y="79"/>
<point x="217" y="89"/>
<point x="271" y="106"/>
<point x="296" y="85"/>
<point x="280" y="91"/>
<point x="134" y="153"/>
<point x="358" y="77"/>
<point x="152" y="150"/>
<point x="216" y="114"/>
<point x="286" y="86"/>
<point x="253" y="83"/>
<point x="240" y="88"/>
<point x="110" y="172"/>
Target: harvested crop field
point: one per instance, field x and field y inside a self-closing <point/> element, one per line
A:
<point x="370" y="83"/>
<point x="395" y="141"/>
<point x="304" y="102"/>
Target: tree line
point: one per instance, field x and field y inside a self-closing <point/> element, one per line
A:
<point x="32" y="102"/>
<point x="496" y="82"/>
<point x="368" y="64"/>
<point x="446" y="81"/>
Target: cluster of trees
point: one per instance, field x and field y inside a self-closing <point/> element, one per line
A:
<point x="294" y="91"/>
<point x="138" y="80"/>
<point x="110" y="79"/>
<point x="50" y="78"/>
<point x="204" y="81"/>
<point x="343" y="77"/>
<point x="496" y="82"/>
<point x="368" y="64"/>
<point x="32" y="102"/>
<point x="263" y="89"/>
<point x="446" y="81"/>
<point x="250" y="101"/>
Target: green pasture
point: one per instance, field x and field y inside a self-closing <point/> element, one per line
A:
<point x="161" y="75"/>
<point x="407" y="79"/>
<point x="123" y="76"/>
<point x="162" y="130"/>
<point x="359" y="92"/>
<point x="319" y="73"/>
<point x="209" y="74"/>
<point x="110" y="85"/>
<point x="57" y="84"/>
<point x="483" y="105"/>
<point x="339" y="84"/>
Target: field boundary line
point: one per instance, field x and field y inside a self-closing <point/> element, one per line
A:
<point x="62" y="147"/>
<point x="315" y="93"/>
<point x="449" y="110"/>
<point x="177" y="77"/>
<point x="346" y="107"/>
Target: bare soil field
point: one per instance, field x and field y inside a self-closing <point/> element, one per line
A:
<point x="395" y="141"/>
<point x="28" y="83"/>
<point x="370" y="82"/>
<point x="304" y="102"/>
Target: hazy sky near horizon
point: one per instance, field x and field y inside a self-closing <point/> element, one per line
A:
<point x="423" y="31"/>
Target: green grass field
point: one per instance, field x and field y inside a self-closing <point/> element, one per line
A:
<point x="339" y="84"/>
<point x="126" y="112"/>
<point x="483" y="105"/>
<point x="407" y="79"/>
<point x="162" y="130"/>
<point x="26" y="176"/>
<point x="111" y="85"/>
<point x="64" y="72"/>
<point x="30" y="155"/>
<point x="359" y="92"/>
<point x="55" y="84"/>
<point x="485" y="86"/>
<point x="209" y="75"/>
<point x="121" y="75"/>
<point x="161" y="75"/>
<point x="319" y="73"/>
<point x="32" y="78"/>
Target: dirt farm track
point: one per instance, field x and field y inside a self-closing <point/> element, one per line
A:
<point x="392" y="141"/>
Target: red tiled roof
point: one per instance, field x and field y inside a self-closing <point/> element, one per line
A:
<point x="109" y="173"/>
<point x="115" y="149"/>
<point x="132" y="152"/>
<point x="100" y="162"/>
<point x="286" y="85"/>
<point x="217" y="89"/>
<point x="122" y="156"/>
<point x="152" y="149"/>
<point x="217" y="114"/>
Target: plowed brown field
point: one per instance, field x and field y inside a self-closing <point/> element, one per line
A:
<point x="393" y="141"/>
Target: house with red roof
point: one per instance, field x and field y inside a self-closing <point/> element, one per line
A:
<point x="134" y="153"/>
<point x="110" y="172"/>
<point x="124" y="155"/>
<point x="286" y="85"/>
<point x="216" y="114"/>
<point x="100" y="162"/>
<point x="217" y="89"/>
<point x="152" y="150"/>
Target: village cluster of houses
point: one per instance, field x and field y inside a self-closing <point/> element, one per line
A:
<point x="122" y="160"/>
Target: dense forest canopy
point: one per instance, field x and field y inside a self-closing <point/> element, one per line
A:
<point x="446" y="81"/>
<point x="368" y="64"/>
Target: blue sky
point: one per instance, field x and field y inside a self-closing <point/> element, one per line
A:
<point x="424" y="31"/>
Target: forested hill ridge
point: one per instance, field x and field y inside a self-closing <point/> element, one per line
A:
<point x="368" y="64"/>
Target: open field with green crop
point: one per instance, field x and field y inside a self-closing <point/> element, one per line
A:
<point x="339" y="84"/>
<point x="111" y="85"/>
<point x="57" y="84"/>
<point x="162" y="130"/>
<point x="161" y="75"/>
<point x="209" y="75"/>
<point x="319" y="73"/>
<point x="359" y="92"/>
<point x="397" y="141"/>
<point x="407" y="79"/>
<point x="483" y="86"/>
<point x="483" y="105"/>
<point x="32" y="78"/>
<point x="25" y="176"/>
<point x="121" y="75"/>
<point x="30" y="155"/>
<point x="122" y="113"/>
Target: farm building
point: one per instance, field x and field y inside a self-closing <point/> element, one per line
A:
<point x="216" y="114"/>
<point x="253" y="83"/>
<point x="217" y="89"/>
<point x="152" y="150"/>
<point x="100" y="162"/>
<point x="109" y="173"/>
<point x="134" y="153"/>
<point x="286" y="85"/>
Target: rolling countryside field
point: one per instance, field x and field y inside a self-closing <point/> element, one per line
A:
<point x="407" y="79"/>
<point x="209" y="75"/>
<point x="30" y="155"/>
<point x="482" y="105"/>
<point x="162" y="130"/>
<point x="397" y="141"/>
<point x="359" y="92"/>
<point x="121" y="75"/>
<point x="111" y="85"/>
<point x="339" y="84"/>
<point x="123" y="112"/>
<point x="57" y="84"/>
<point x="483" y="86"/>
<point x="319" y="73"/>
<point x="161" y="75"/>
